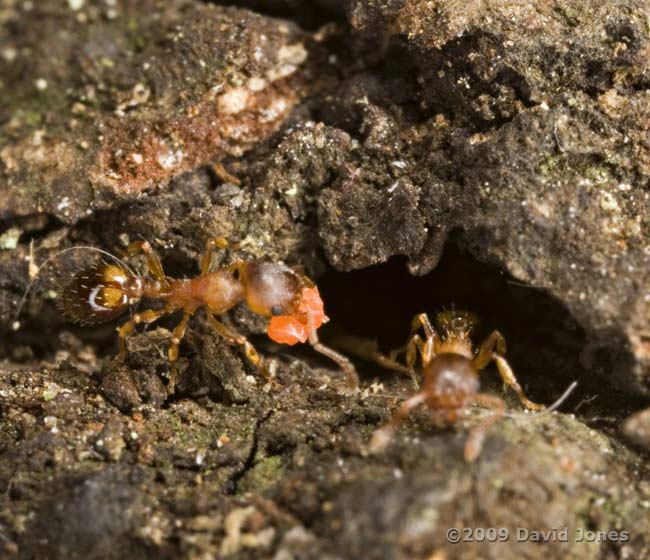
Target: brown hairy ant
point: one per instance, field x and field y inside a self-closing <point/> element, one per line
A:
<point x="104" y="291"/>
<point x="450" y="376"/>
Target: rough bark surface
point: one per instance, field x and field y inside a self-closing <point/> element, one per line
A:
<point x="357" y="140"/>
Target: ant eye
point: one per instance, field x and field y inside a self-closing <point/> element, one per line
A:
<point x="276" y="310"/>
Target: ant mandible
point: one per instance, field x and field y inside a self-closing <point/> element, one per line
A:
<point x="450" y="373"/>
<point x="104" y="291"/>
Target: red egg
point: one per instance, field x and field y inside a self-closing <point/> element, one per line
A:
<point x="291" y="329"/>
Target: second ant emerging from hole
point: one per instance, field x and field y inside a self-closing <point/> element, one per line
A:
<point x="450" y="376"/>
<point x="104" y="291"/>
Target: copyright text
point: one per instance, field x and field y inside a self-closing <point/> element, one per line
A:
<point x="522" y="534"/>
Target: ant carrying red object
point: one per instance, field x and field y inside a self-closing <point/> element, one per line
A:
<point x="104" y="291"/>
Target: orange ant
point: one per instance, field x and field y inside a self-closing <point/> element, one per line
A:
<point x="104" y="291"/>
<point x="450" y="372"/>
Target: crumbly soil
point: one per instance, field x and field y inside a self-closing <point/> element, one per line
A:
<point x="405" y="154"/>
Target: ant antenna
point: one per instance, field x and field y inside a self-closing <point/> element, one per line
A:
<point x="56" y="255"/>
<point x="560" y="401"/>
<point x="557" y="404"/>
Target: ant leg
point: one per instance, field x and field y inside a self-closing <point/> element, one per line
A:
<point x="234" y="337"/>
<point x="177" y="336"/>
<point x="367" y="349"/>
<point x="210" y="246"/>
<point x="477" y="435"/>
<point x="509" y="378"/>
<point x="486" y="354"/>
<point x="383" y="435"/>
<point x="345" y="364"/>
<point x="427" y="347"/>
<point x="124" y="331"/>
<point x="206" y="257"/>
<point x="153" y="260"/>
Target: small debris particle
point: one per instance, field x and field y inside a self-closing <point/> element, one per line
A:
<point x="609" y="203"/>
<point x="9" y="239"/>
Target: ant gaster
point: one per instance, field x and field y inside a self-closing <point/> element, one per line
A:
<point x="450" y="376"/>
<point x="104" y="291"/>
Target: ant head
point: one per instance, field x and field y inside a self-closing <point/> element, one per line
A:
<point x="456" y="323"/>
<point x="271" y="289"/>
<point x="98" y="294"/>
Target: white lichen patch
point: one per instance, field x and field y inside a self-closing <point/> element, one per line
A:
<point x="41" y="84"/>
<point x="170" y="158"/>
<point x="274" y="111"/>
<point x="608" y="203"/>
<point x="290" y="57"/>
<point x="234" y="101"/>
<point x="9" y="239"/>
<point x="256" y="84"/>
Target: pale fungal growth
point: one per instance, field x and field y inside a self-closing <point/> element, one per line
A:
<point x="234" y="101"/>
<point x="169" y="158"/>
<point x="608" y="203"/>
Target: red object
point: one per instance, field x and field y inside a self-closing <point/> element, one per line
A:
<point x="291" y="329"/>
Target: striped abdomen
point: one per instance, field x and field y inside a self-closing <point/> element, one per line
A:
<point x="100" y="293"/>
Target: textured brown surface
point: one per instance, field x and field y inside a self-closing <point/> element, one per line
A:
<point x="333" y="136"/>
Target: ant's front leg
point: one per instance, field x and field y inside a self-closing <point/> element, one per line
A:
<point x="427" y="347"/>
<point x="477" y="435"/>
<point x="487" y="349"/>
<point x="153" y="260"/>
<point x="486" y="354"/>
<point x="234" y="337"/>
<point x="210" y="246"/>
<point x="383" y="435"/>
<point x="367" y="349"/>
<point x="345" y="364"/>
<point x="126" y="329"/>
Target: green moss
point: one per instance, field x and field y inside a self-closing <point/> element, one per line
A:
<point x="136" y="38"/>
<point x="264" y="475"/>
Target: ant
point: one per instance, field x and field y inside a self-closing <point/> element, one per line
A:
<point x="450" y="372"/>
<point x="104" y="291"/>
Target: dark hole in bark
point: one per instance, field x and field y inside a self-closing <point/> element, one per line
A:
<point x="544" y="340"/>
<point x="313" y="16"/>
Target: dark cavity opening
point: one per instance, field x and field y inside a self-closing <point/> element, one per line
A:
<point x="309" y="16"/>
<point x="544" y="340"/>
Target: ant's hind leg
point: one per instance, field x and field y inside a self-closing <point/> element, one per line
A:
<point x="234" y="337"/>
<point x="382" y="436"/>
<point x="477" y="435"/>
<point x="124" y="331"/>
<point x="177" y="336"/>
<point x="486" y="354"/>
<point x="153" y="260"/>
